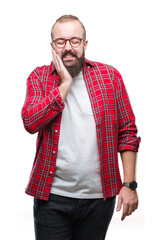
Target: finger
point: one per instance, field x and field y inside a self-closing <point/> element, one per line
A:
<point x="53" y="51"/>
<point x="119" y="204"/>
<point x="135" y="206"/>
<point x="60" y="67"/>
<point x="59" y="61"/>
<point x="130" y="211"/>
<point x="53" y="55"/>
<point x="125" y="212"/>
<point x="56" y="60"/>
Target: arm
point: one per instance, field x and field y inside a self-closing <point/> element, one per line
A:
<point x="127" y="197"/>
<point x="66" y="79"/>
<point x="127" y="132"/>
<point x="129" y="165"/>
<point x="38" y="110"/>
<point x="128" y="144"/>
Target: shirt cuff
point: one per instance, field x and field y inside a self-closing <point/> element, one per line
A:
<point x="57" y="100"/>
<point x="130" y="146"/>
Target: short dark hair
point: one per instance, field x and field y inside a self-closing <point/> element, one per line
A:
<point x="65" y="18"/>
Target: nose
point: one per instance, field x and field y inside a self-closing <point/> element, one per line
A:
<point x="67" y="46"/>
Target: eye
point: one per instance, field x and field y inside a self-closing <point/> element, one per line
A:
<point x="75" y="41"/>
<point x="60" y="42"/>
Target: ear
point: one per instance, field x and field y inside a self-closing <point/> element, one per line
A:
<point x="51" y="43"/>
<point x="85" y="44"/>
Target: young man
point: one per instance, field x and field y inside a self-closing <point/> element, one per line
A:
<point x="83" y="117"/>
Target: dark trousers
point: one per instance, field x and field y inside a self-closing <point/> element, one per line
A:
<point x="64" y="218"/>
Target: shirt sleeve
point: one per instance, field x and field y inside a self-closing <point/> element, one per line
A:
<point x="127" y="138"/>
<point x="39" y="110"/>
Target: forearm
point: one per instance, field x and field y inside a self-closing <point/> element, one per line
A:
<point x="38" y="111"/>
<point x="64" y="89"/>
<point x="129" y="165"/>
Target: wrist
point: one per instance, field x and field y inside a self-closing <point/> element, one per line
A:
<point x="67" y="83"/>
<point x="132" y="185"/>
<point x="64" y="89"/>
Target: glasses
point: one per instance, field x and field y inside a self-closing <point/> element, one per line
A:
<point x="74" y="42"/>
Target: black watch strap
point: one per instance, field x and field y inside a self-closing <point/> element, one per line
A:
<point x="132" y="185"/>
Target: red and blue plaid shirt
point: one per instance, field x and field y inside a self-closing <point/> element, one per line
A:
<point x="115" y="123"/>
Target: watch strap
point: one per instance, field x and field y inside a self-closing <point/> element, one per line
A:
<point x="126" y="184"/>
<point x="132" y="185"/>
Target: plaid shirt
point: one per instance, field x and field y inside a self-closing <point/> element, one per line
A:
<point x="115" y="123"/>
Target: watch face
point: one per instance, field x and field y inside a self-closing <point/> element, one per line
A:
<point x="133" y="185"/>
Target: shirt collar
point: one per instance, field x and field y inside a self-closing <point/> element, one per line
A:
<point x="87" y="63"/>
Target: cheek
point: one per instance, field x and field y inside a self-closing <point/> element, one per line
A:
<point x="79" y="52"/>
<point x="58" y="52"/>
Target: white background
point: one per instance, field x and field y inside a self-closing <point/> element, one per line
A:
<point x="123" y="33"/>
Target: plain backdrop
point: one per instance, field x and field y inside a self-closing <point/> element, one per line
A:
<point x="123" y="33"/>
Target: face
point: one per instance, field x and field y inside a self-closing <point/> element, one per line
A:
<point x="72" y="57"/>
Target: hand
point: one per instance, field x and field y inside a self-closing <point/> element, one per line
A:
<point x="129" y="199"/>
<point x="62" y="71"/>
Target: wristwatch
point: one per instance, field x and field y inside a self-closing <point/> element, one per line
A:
<point x="131" y="185"/>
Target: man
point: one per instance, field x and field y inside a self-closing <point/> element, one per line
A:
<point x="83" y="117"/>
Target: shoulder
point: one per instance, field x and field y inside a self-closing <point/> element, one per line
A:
<point x="41" y="70"/>
<point x="105" y="71"/>
<point x="106" y="67"/>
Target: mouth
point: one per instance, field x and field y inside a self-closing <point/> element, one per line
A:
<point x="69" y="57"/>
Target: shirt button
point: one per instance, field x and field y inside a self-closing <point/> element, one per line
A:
<point x="51" y="172"/>
<point x="56" y="131"/>
<point x="54" y="151"/>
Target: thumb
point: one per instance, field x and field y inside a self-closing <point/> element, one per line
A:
<point x="119" y="204"/>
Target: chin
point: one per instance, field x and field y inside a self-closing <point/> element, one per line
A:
<point x="69" y="63"/>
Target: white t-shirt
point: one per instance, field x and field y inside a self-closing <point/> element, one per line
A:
<point x="77" y="172"/>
